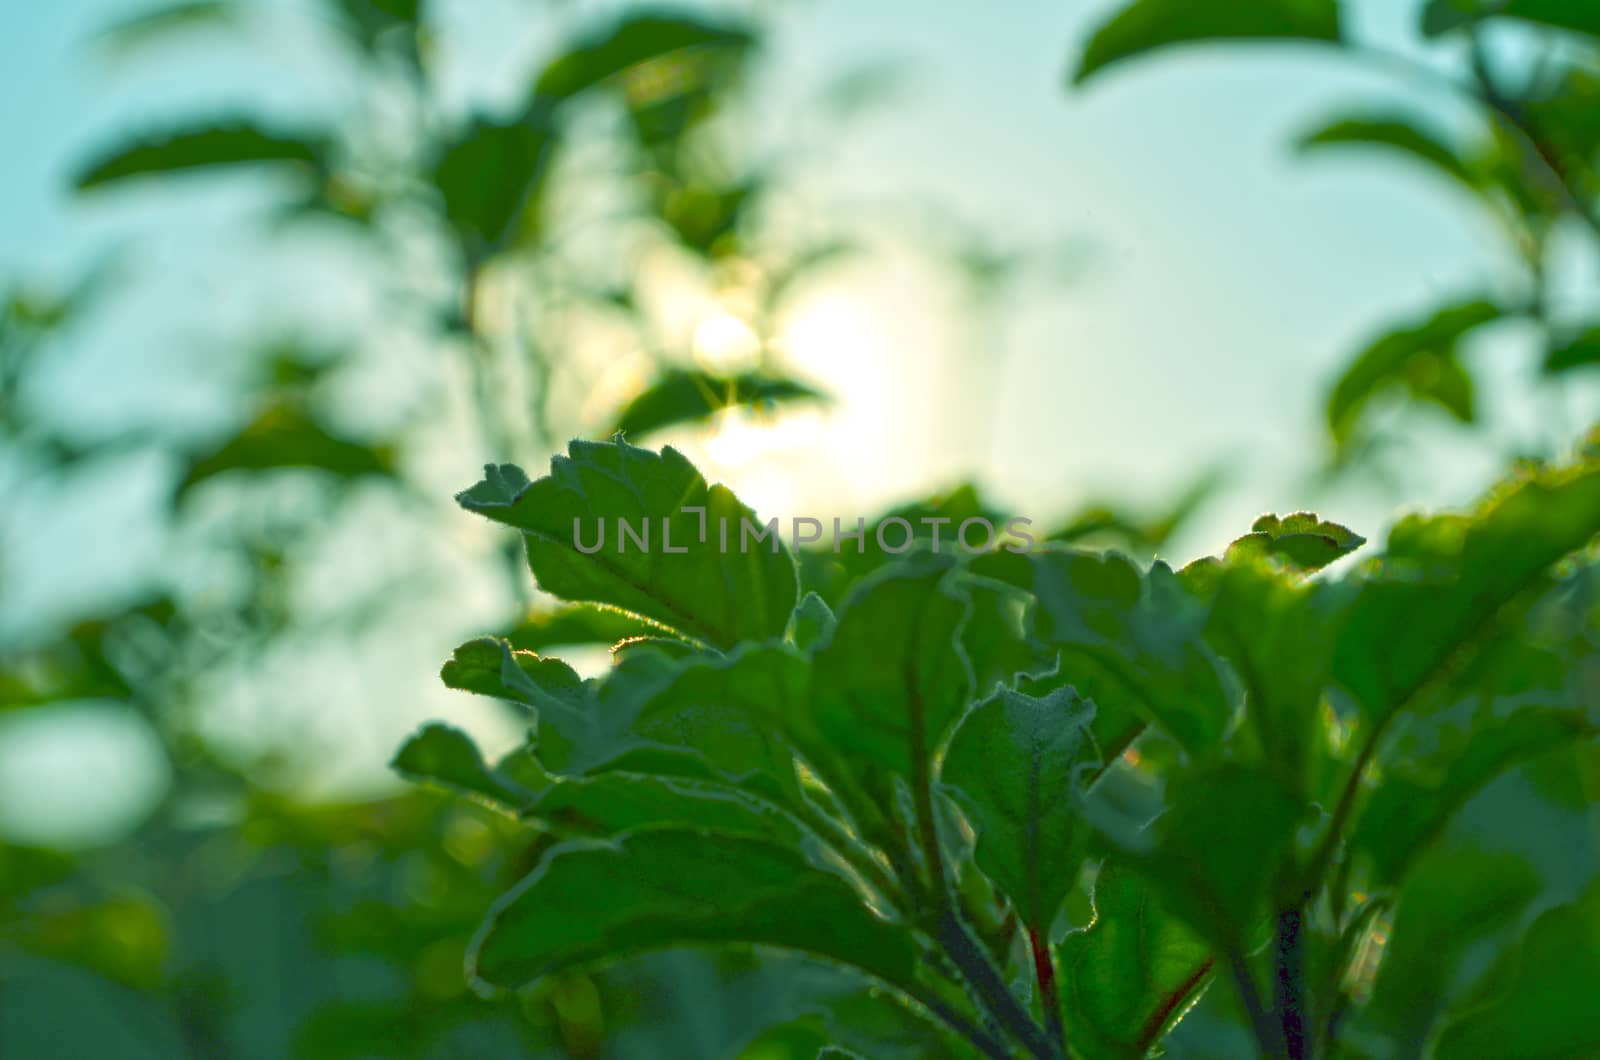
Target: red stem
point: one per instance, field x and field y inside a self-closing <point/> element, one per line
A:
<point x="1044" y="968"/>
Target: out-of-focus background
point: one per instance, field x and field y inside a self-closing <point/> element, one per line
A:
<point x="278" y="277"/>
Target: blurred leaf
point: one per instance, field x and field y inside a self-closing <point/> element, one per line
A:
<point x="1575" y="351"/>
<point x="125" y="937"/>
<point x="1130" y="642"/>
<point x="705" y="219"/>
<point x="1455" y="899"/>
<point x="1422" y="359"/>
<point x="1545" y="1008"/>
<point x="492" y="180"/>
<point x="1416" y="799"/>
<point x="1131" y="973"/>
<point x="1016" y="765"/>
<point x="1148" y="25"/>
<point x="891" y="682"/>
<point x="1397" y="134"/>
<point x="1218" y="849"/>
<point x="1302" y="540"/>
<point x="206" y="146"/>
<point x="1443" y="582"/>
<point x="1276" y="630"/>
<point x="158" y="24"/>
<point x="813" y="623"/>
<point x="697" y="591"/>
<point x="1140" y="533"/>
<point x="663" y="888"/>
<point x="447" y="756"/>
<point x="635" y="39"/>
<point x="997" y="638"/>
<point x="369" y="20"/>
<point x="930" y="523"/>
<point x="1442" y="16"/>
<point x="683" y="395"/>
<point x="286" y="436"/>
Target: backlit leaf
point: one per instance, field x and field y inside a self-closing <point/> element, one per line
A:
<point x="1016" y="766"/>
<point x="1129" y="641"/>
<point x="446" y="756"/>
<point x="683" y="396"/>
<point x="1131" y="973"/>
<point x="588" y="903"/>
<point x="714" y="588"/>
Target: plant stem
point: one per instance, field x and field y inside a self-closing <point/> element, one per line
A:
<point x="981" y="1039"/>
<point x="1044" y="969"/>
<point x="1268" y="1039"/>
<point x="967" y="954"/>
<point x="1289" y="986"/>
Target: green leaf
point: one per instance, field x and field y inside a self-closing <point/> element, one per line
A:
<point x="997" y="638"/>
<point x="1442" y="16"/>
<point x="446" y="756"/>
<point x="743" y="715"/>
<point x="588" y="903"/>
<point x="684" y="395"/>
<point x="636" y="39"/>
<point x="1302" y="540"/>
<point x="1276" y="630"/>
<point x="285" y="436"/>
<point x="1397" y="134"/>
<point x="738" y="718"/>
<point x="1016" y="765"/>
<point x="1421" y="359"/>
<point x="577" y="625"/>
<point x="1149" y="25"/>
<point x="158" y="24"/>
<point x="1577" y="16"/>
<point x="1416" y="799"/>
<point x="210" y="146"/>
<point x="1130" y="642"/>
<point x="930" y="523"/>
<point x="1546" y="1008"/>
<point x="813" y="623"/>
<point x="1454" y="899"/>
<point x="689" y="583"/>
<point x="1131" y="974"/>
<point x="1441" y="585"/>
<point x="621" y="802"/>
<point x="1573" y="351"/>
<point x="892" y="681"/>
<point x="492" y="179"/>
<point x="489" y="667"/>
<point x="1219" y="848"/>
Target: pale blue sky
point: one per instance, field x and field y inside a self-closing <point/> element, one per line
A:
<point x="1226" y="279"/>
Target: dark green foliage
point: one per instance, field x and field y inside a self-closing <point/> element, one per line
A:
<point x="1129" y="976"/>
<point x="224" y="143"/>
<point x="691" y="591"/>
<point x="1423" y="360"/>
<point x="683" y="396"/>
<point x="793" y="794"/>
<point x="1148" y="25"/>
<point x="285" y="436"/>
<point x="671" y="886"/>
